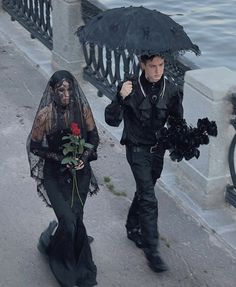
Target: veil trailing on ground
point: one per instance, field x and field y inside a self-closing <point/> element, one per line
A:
<point x="51" y="117"/>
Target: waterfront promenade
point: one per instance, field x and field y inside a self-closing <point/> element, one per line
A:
<point x="198" y="255"/>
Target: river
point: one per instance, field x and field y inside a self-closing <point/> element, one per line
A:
<point x="210" y="24"/>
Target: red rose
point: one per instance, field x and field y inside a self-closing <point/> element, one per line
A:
<point x="75" y="129"/>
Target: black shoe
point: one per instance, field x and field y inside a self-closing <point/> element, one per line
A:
<point x="155" y="262"/>
<point x="135" y="236"/>
<point x="42" y="248"/>
<point x="45" y="237"/>
<point x="90" y="239"/>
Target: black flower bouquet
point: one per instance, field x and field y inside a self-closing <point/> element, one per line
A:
<point x="183" y="140"/>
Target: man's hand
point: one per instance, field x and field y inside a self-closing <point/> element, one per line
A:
<point x="126" y="89"/>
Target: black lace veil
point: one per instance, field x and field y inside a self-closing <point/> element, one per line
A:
<point x="48" y="120"/>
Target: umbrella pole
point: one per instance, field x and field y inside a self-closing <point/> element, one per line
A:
<point x="131" y="71"/>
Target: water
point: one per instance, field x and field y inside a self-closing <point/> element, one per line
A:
<point x="210" y="24"/>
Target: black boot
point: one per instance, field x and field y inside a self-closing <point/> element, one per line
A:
<point x="155" y="262"/>
<point x="135" y="236"/>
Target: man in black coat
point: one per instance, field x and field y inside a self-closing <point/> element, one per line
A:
<point x="145" y="106"/>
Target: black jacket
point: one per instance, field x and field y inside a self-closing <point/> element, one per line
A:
<point x="145" y="111"/>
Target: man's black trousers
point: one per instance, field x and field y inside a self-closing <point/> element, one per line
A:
<point x="143" y="212"/>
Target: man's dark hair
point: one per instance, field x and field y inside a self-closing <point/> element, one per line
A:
<point x="145" y="58"/>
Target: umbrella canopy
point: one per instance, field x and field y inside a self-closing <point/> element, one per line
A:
<point x="137" y="29"/>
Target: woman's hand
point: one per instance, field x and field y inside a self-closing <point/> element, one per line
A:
<point x="80" y="165"/>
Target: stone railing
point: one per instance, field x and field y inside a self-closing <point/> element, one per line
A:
<point x="207" y="93"/>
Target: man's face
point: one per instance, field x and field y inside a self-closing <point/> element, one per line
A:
<point x="63" y="91"/>
<point x="153" y="69"/>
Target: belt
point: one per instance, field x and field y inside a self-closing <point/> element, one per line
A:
<point x="135" y="148"/>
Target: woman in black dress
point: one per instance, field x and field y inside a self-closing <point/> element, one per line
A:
<point x="65" y="243"/>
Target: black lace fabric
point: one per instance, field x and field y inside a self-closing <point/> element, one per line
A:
<point x="52" y="118"/>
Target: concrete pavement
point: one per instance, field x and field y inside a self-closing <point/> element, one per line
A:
<point x="193" y="242"/>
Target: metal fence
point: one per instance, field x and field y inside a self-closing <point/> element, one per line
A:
<point x="230" y="195"/>
<point x="104" y="69"/>
<point x="33" y="15"/>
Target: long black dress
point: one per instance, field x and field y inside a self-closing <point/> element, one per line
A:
<point x="64" y="242"/>
<point x="69" y="252"/>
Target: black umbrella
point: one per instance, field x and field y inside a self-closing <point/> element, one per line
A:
<point x="137" y="29"/>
